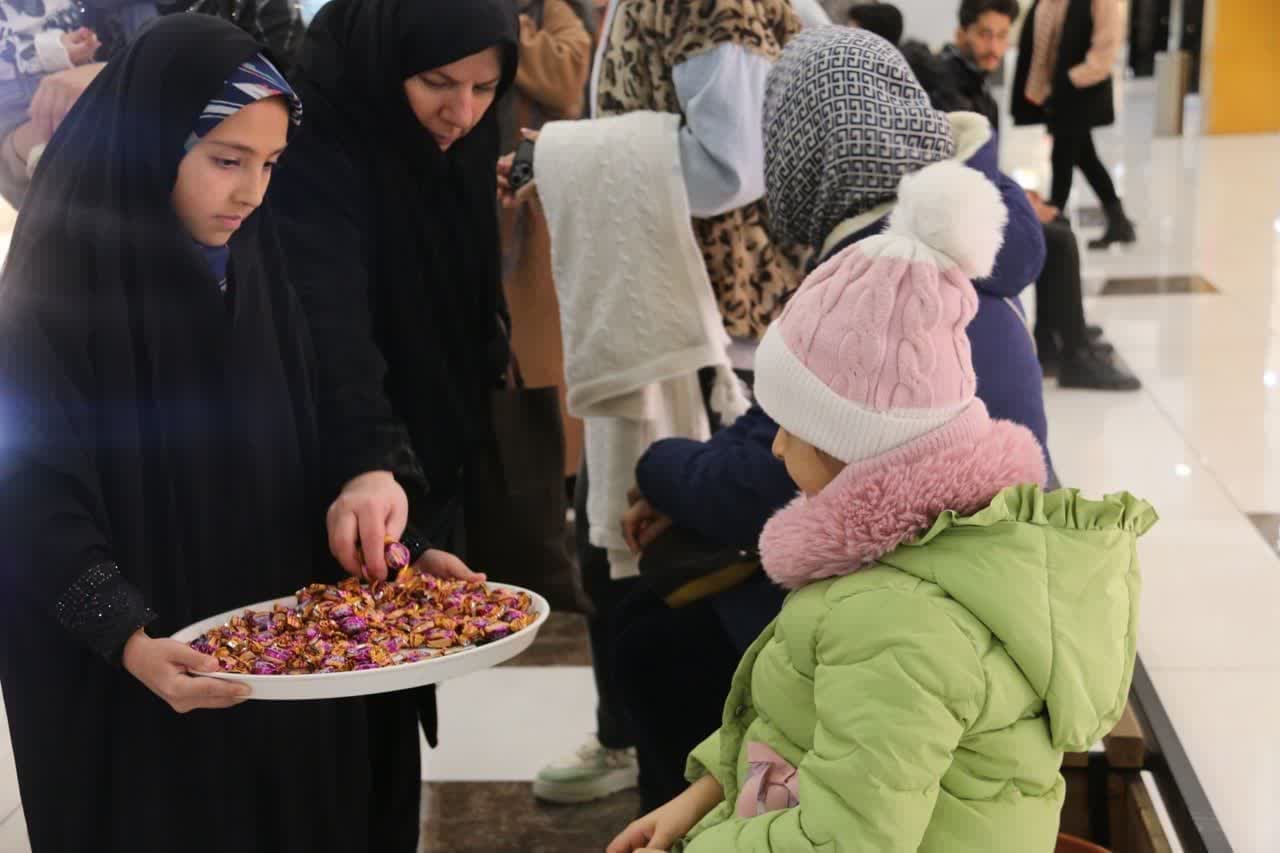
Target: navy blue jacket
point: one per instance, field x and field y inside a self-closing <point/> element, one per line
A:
<point x="724" y="489"/>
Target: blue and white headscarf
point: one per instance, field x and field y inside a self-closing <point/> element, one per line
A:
<point x="254" y="80"/>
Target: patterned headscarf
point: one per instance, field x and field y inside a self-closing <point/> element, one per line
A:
<point x="254" y="80"/>
<point x="844" y="120"/>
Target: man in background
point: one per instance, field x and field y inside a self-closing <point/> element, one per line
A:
<point x="883" y="19"/>
<point x="959" y="79"/>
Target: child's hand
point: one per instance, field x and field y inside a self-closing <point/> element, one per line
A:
<point x="371" y="510"/>
<point x="642" y="524"/>
<point x="663" y="827"/>
<point x="164" y="666"/>
<point x="81" y="45"/>
<point x="442" y="564"/>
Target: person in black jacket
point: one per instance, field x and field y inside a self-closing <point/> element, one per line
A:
<point x="1063" y="80"/>
<point x="883" y="19"/>
<point x="276" y="24"/>
<point x="958" y="79"/>
<point x="389" y="223"/>
<point x="718" y="493"/>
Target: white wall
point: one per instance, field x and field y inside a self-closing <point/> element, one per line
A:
<point x="929" y="21"/>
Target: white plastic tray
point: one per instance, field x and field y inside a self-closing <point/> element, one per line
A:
<point x="335" y="685"/>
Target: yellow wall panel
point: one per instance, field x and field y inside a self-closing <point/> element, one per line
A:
<point x="1242" y="56"/>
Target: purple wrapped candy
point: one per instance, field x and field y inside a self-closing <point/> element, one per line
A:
<point x="202" y="645"/>
<point x="359" y="654"/>
<point x="365" y="666"/>
<point x="497" y="631"/>
<point x="265" y="667"/>
<point x="513" y="615"/>
<point x="280" y="655"/>
<point x="353" y="625"/>
<point x="397" y="556"/>
<point x="342" y="611"/>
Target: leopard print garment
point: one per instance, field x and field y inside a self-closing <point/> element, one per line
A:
<point x="648" y="39"/>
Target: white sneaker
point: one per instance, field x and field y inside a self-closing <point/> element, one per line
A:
<point x="591" y="773"/>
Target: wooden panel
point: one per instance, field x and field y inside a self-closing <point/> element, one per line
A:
<point x="1126" y="745"/>
<point x="1135" y="824"/>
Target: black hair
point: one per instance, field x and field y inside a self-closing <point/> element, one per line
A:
<point x="972" y="10"/>
<point x="883" y="19"/>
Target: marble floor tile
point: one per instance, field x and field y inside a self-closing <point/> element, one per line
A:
<point x="561" y="642"/>
<point x="505" y="724"/>
<point x="1269" y="526"/>
<point x="9" y="799"/>
<point x="503" y="817"/>
<point x="1157" y="285"/>
<point x="13" y="834"/>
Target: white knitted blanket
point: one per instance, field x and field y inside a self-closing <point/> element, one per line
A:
<point x="637" y="311"/>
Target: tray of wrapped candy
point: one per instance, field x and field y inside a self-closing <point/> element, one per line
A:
<point x="355" y="638"/>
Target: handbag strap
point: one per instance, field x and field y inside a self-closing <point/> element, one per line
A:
<point x="514" y="375"/>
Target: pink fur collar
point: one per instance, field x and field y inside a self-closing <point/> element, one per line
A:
<point x="874" y="506"/>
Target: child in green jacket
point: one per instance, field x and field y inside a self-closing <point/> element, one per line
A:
<point x="952" y="629"/>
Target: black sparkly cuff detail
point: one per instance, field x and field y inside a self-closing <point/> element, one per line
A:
<point x="415" y="542"/>
<point x="103" y="610"/>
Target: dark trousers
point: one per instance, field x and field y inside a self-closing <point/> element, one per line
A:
<point x="679" y="664"/>
<point x="606" y="596"/>
<point x="1073" y="147"/>
<point x="1060" y="322"/>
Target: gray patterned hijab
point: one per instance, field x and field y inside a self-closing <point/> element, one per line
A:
<point x="844" y="120"/>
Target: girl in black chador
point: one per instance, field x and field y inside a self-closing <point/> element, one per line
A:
<point x="157" y="438"/>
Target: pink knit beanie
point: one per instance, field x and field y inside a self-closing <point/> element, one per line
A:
<point x="871" y="353"/>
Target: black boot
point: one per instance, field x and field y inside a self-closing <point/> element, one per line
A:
<point x="1119" y="228"/>
<point x="1049" y="351"/>
<point x="1089" y="369"/>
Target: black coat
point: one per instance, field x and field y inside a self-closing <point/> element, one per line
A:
<point x="1092" y="106"/>
<point x="394" y="246"/>
<point x="952" y="82"/>
<point x="157" y="451"/>
<point x="277" y="24"/>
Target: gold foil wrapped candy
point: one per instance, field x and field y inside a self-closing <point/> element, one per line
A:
<point x="356" y="626"/>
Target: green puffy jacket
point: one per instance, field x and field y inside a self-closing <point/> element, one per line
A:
<point x="927" y="699"/>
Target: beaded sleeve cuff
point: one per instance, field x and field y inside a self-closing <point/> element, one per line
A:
<point x="103" y="610"/>
<point x="415" y="542"/>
